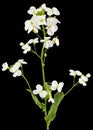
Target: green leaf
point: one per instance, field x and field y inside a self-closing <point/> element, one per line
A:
<point x="53" y="108"/>
<point x="36" y="100"/>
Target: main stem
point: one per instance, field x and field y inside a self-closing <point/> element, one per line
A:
<point x="43" y="76"/>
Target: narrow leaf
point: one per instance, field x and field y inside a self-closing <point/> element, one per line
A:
<point x="36" y="100"/>
<point x="53" y="108"/>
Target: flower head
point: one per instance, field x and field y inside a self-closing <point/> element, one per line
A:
<point x="4" y="66"/>
<point x="74" y="73"/>
<point x="47" y="42"/>
<point x="25" y="47"/>
<point x="57" y="86"/>
<point x="51" y="25"/>
<point x="84" y="78"/>
<point x="39" y="90"/>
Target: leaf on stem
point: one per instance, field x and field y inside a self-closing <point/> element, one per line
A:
<point x="36" y="100"/>
<point x="58" y="97"/>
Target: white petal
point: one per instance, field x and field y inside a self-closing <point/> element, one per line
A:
<point x="50" y="32"/>
<point x="84" y="78"/>
<point x="4" y="66"/>
<point x="31" y="10"/>
<point x="51" y="100"/>
<point x="60" y="86"/>
<point x="54" y="85"/>
<point x="35" y="92"/>
<point x="39" y="87"/>
<point x="78" y="73"/>
<point x="46" y="45"/>
<point x="17" y="73"/>
<point x="21" y="44"/>
<point x="88" y="75"/>
<point x="55" y="11"/>
<point x="82" y="82"/>
<point x="22" y="61"/>
<point x="43" y="94"/>
<point x="72" y="72"/>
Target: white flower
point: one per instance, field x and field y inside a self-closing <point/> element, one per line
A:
<point x="17" y="73"/>
<point x="32" y="25"/>
<point x="55" y="41"/>
<point x="53" y="11"/>
<point x="57" y="86"/>
<point x="22" y="61"/>
<point x="51" y="25"/>
<point x="4" y="66"/>
<point x="41" y="19"/>
<point x="43" y="7"/>
<point x="88" y="75"/>
<point x="15" y="69"/>
<point x="74" y="73"/>
<point x="25" y="47"/>
<point x="47" y="42"/>
<point x="39" y="90"/>
<point x="33" y="41"/>
<point x="83" y="79"/>
<point x="32" y="10"/>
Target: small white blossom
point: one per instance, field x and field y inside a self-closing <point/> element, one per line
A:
<point x="83" y="79"/>
<point x="25" y="47"/>
<point x="47" y="42"/>
<point x="39" y="90"/>
<point x="74" y="73"/>
<point x="36" y="40"/>
<point x="32" y="25"/>
<point x="51" y="25"/>
<point x="57" y="86"/>
<point x="15" y="69"/>
<point x="22" y="61"/>
<point x="88" y="75"/>
<point x="41" y="19"/>
<point x="17" y="73"/>
<point x="55" y="41"/>
<point x="53" y="11"/>
<point x="43" y="6"/>
<point x="32" y="10"/>
<point x="4" y="66"/>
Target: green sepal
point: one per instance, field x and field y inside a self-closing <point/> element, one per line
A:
<point x="41" y="12"/>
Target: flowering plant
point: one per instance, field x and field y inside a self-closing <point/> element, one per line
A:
<point x="44" y="24"/>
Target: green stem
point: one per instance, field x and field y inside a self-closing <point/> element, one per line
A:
<point x="38" y="35"/>
<point x="44" y="32"/>
<point x="43" y="75"/>
<point x="42" y="66"/>
<point x="47" y="126"/>
<point x="71" y="89"/>
<point x="27" y="82"/>
<point x="34" y="52"/>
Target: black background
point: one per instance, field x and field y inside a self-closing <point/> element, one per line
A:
<point x="17" y="109"/>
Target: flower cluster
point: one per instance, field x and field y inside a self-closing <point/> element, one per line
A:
<point x="42" y="19"/>
<point x="15" y="69"/>
<point x="82" y="78"/>
<point x="42" y="16"/>
<point x="43" y="93"/>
